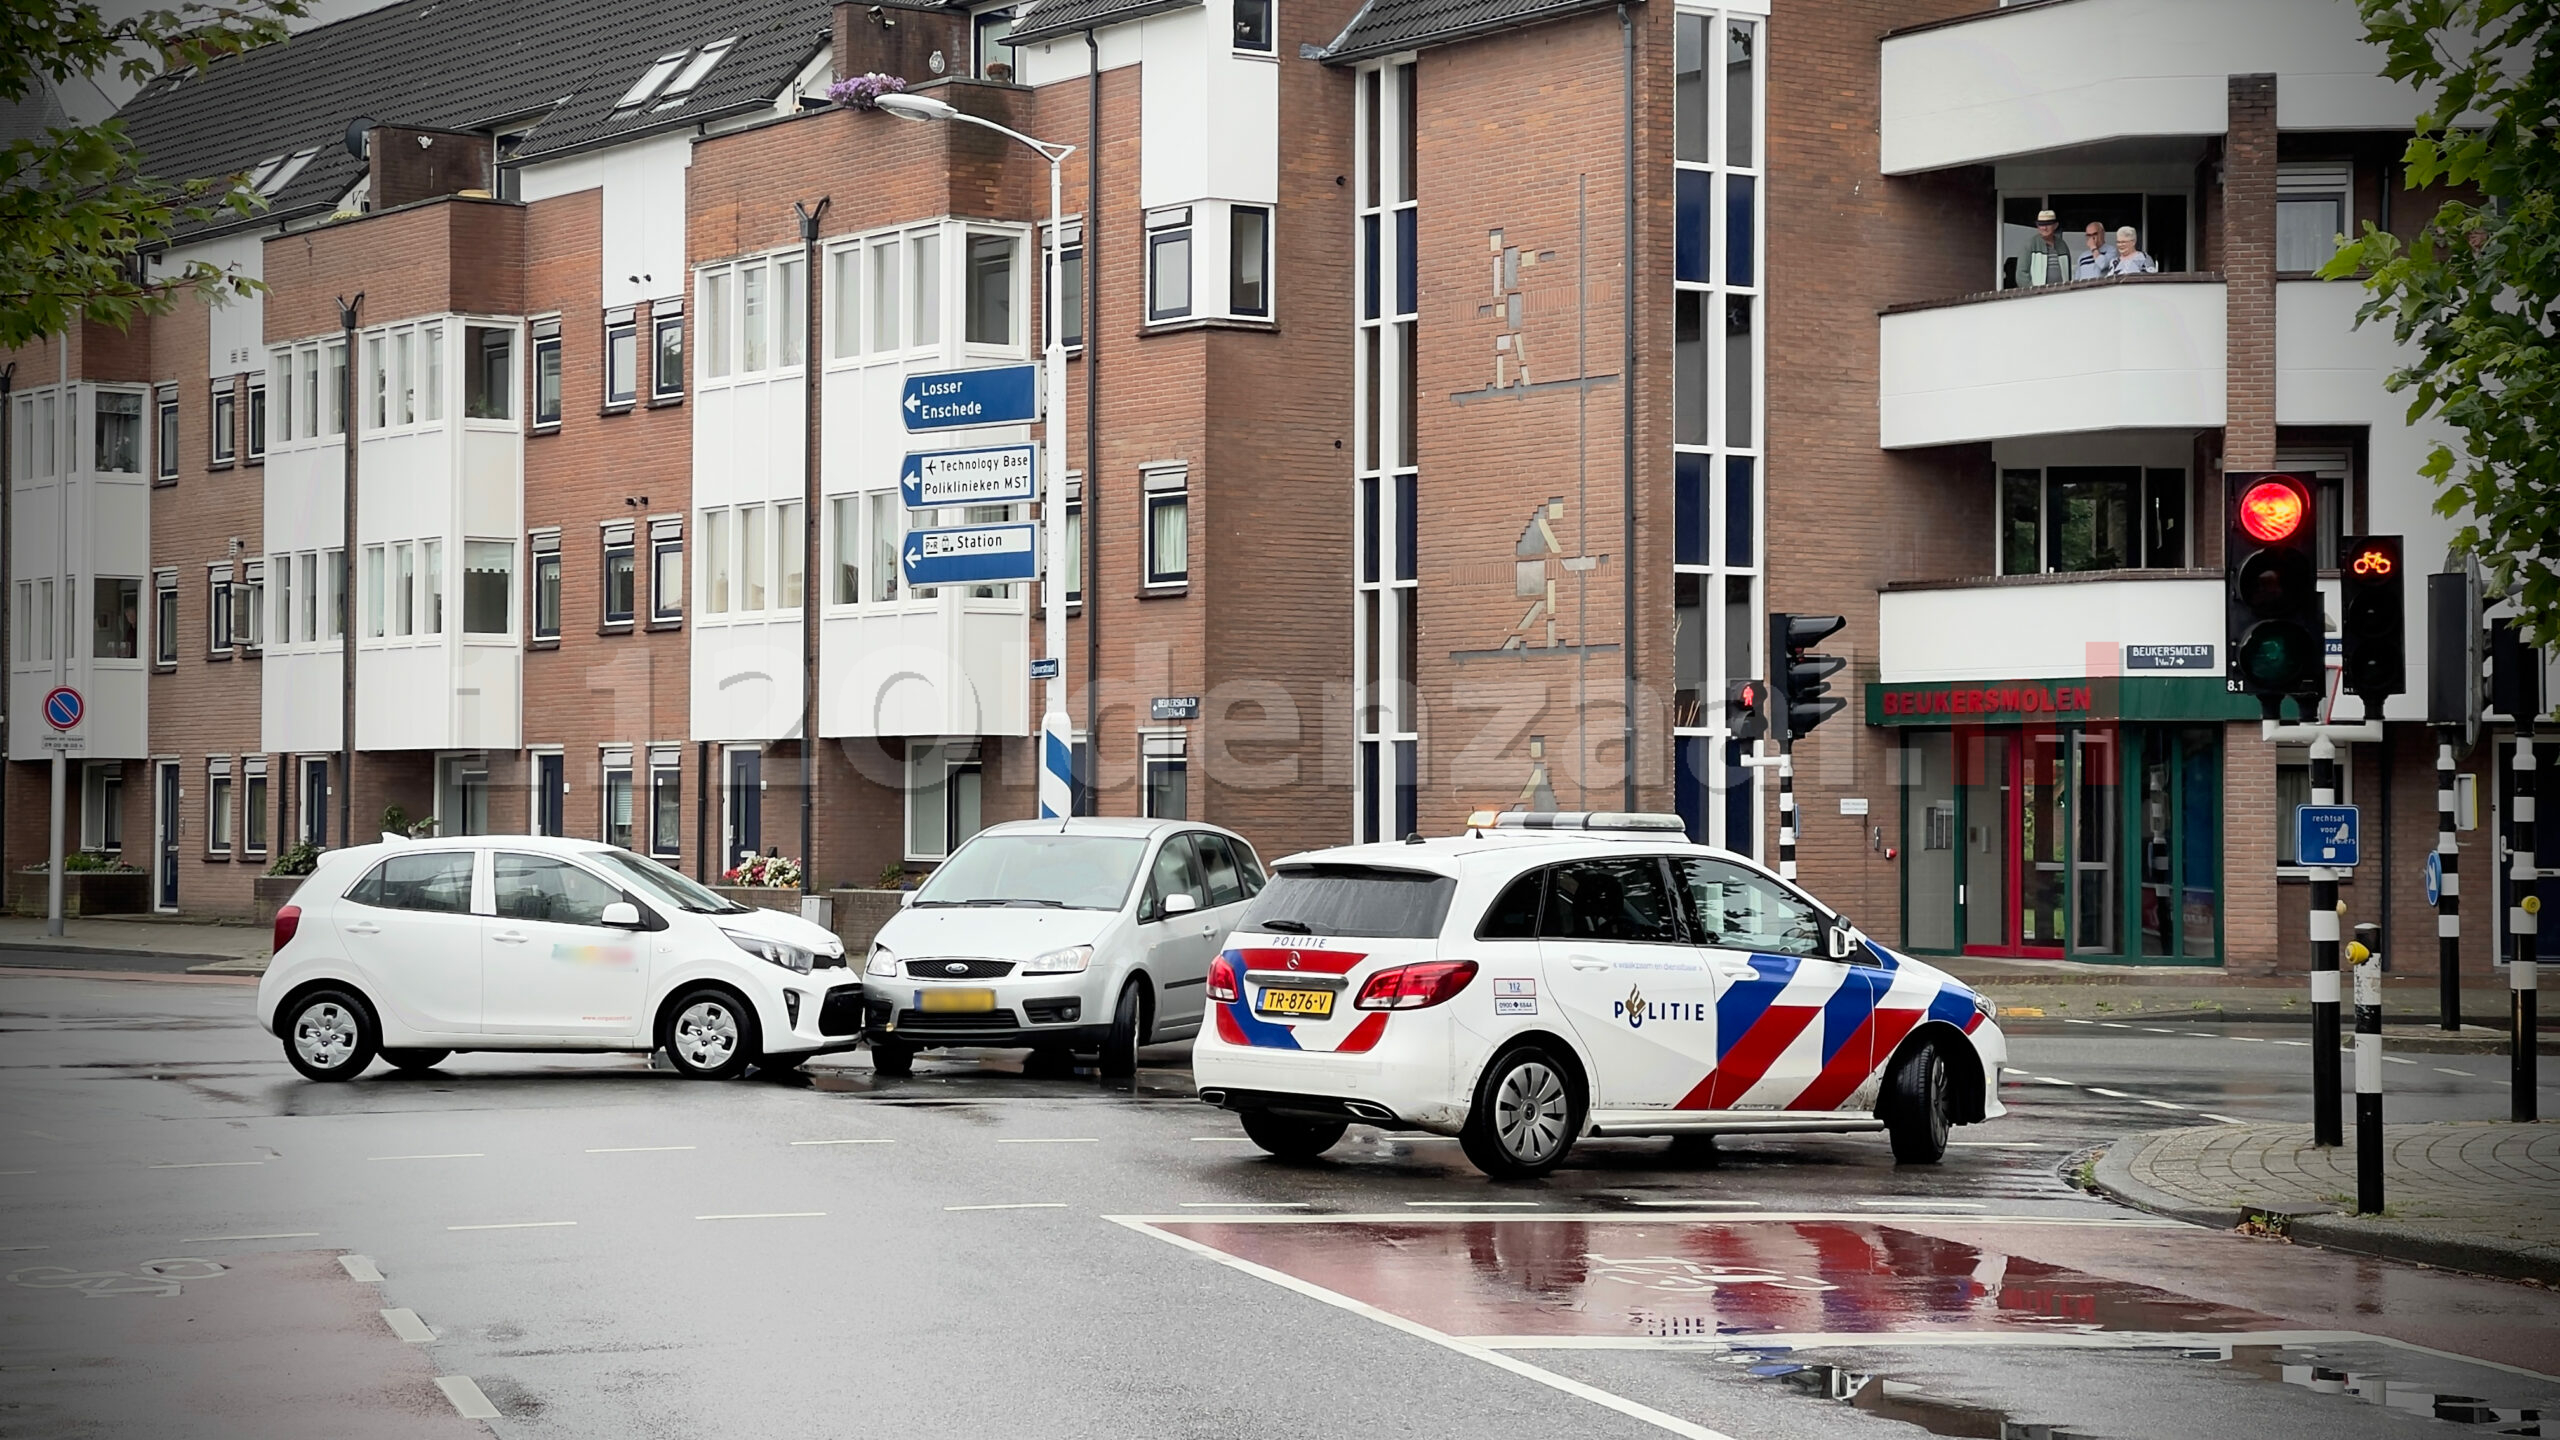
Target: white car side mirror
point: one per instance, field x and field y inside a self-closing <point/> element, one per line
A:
<point x="620" y="915"/>
<point x="1179" y="905"/>
<point x="906" y="899"/>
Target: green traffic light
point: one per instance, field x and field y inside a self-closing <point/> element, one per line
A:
<point x="2279" y="655"/>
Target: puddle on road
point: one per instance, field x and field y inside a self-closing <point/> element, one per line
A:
<point x="1889" y="1399"/>
<point x="2380" y="1387"/>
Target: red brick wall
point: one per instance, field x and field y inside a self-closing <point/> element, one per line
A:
<point x="2247" y="259"/>
<point x="425" y="259"/>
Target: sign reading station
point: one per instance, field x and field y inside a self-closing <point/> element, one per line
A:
<point x="971" y="555"/>
<point x="952" y="399"/>
<point x="996" y="475"/>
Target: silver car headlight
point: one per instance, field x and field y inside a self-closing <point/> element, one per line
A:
<point x="1070" y="961"/>
<point x="789" y="957"/>
<point x="883" y="964"/>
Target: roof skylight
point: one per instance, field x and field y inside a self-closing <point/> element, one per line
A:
<point x="646" y="88"/>
<point x="687" y="78"/>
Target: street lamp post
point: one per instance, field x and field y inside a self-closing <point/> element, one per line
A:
<point x="1057" y="749"/>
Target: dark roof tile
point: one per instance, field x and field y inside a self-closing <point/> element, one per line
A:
<point x="1048" y="19"/>
<point x="1384" y="27"/>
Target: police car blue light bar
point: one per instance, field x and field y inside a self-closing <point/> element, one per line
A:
<point x="1585" y="820"/>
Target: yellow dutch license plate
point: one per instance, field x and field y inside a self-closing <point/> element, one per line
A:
<point x="956" y="1002"/>
<point x="1314" y="1004"/>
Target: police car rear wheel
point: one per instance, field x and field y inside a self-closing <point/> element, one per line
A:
<point x="1527" y="1112"/>
<point x="1915" y="1112"/>
<point x="1289" y="1137"/>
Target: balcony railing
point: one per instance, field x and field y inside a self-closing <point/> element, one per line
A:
<point x="2131" y="352"/>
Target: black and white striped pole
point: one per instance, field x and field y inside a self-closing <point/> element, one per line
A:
<point x="1786" y="810"/>
<point x="2448" y="897"/>
<point x="2366" y="953"/>
<point x="2327" y="1123"/>
<point x="2523" y="924"/>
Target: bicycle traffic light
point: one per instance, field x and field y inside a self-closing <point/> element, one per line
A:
<point x="1800" y="695"/>
<point x="2373" y="619"/>
<point x="2274" y="628"/>
<point x="1744" y="716"/>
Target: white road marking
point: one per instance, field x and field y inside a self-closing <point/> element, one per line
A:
<point x="633" y="1149"/>
<point x="1995" y="1145"/>
<point x="844" y="1142"/>
<point x="2079" y="1022"/>
<point x="2011" y="1070"/>
<point x="2115" y="1024"/>
<point x="2220" y="1341"/>
<point x="406" y="1324"/>
<point x="517" y="1225"/>
<point x="1244" y="1204"/>
<point x="1916" y="1204"/>
<point x="2156" y="1030"/>
<point x="2065" y="1084"/>
<point x="2220" y="1119"/>
<point x="2110" y="1094"/>
<point x="2247" y="1039"/>
<point x="2396" y="1060"/>
<point x="466" y="1397"/>
<point x="1704" y="1217"/>
<point x="2465" y="1074"/>
<point x="2297" y="1044"/>
<point x="1050" y="1140"/>
<point x="459" y="1155"/>
<point x="1692" y="1204"/>
<point x="1022" y="1205"/>
<point x="206" y="1164"/>
<point x="2161" y="1105"/>
<point x="1597" y="1396"/>
<point x="360" y="1269"/>
<point x="279" y="1235"/>
<point x="770" y="1215"/>
<point x="1221" y="1139"/>
<point x="1474" y="1204"/>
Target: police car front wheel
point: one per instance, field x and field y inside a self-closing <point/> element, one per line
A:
<point x="1916" y="1108"/>
<point x="1527" y="1113"/>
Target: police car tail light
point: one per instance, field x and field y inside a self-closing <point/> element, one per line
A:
<point x="1412" y="987"/>
<point x="1222" y="979"/>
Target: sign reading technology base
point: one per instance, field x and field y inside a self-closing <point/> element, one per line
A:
<point x="997" y="475"/>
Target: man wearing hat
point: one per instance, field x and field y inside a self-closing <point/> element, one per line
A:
<point x="2048" y="260"/>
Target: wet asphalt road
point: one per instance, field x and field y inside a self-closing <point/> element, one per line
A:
<point x="594" y="1248"/>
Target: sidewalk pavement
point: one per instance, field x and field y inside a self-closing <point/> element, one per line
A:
<point x="119" y="942"/>
<point x="2057" y="990"/>
<point x="2465" y="1195"/>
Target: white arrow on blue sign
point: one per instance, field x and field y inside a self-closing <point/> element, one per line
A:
<point x="2435" y="878"/>
<point x="952" y="399"/>
<point x="971" y="555"/>
<point x="2326" y="835"/>
<point x="994" y="475"/>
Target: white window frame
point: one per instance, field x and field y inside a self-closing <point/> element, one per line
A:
<point x="621" y="392"/>
<point x="1270" y="47"/>
<point x="164" y="433"/>
<point x="1160" y="485"/>
<point x="543" y="339"/>
<point x="1164" y="227"/>
<point x="1163" y="749"/>
<point x="954" y="755"/>
<point x="665" y="315"/>
<point x="666" y="556"/>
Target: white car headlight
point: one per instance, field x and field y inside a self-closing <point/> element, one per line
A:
<point x="789" y="957"/>
<point x="883" y="964"/>
<point x="1070" y="961"/>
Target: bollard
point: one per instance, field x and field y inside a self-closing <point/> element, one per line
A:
<point x="2366" y="955"/>
<point x="2449" y="897"/>
<point x="2523" y="925"/>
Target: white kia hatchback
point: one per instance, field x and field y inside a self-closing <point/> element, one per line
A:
<point x="1091" y="934"/>
<point x="417" y="950"/>
<point x="1549" y="977"/>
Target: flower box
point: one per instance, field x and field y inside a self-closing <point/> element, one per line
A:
<point x="84" y="892"/>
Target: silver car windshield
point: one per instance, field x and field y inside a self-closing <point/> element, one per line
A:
<point x="663" y="884"/>
<point x="1047" y="872"/>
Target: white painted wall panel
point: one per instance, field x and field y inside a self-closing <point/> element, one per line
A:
<point x="1173" y="98"/>
<point x="2049" y="77"/>
<point x="2039" y="631"/>
<point x="1051" y="61"/>
<point x="2113" y="357"/>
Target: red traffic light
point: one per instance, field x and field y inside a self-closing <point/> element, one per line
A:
<point x="1747" y="694"/>
<point x="2272" y="510"/>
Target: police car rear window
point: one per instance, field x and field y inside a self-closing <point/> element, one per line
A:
<point x="1360" y="900"/>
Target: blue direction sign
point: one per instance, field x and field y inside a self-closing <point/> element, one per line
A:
<point x="2435" y="878"/>
<point x="995" y="475"/>
<point x="63" y="707"/>
<point x="971" y="555"/>
<point x="2326" y="835"/>
<point x="951" y="399"/>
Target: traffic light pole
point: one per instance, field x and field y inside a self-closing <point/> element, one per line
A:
<point x="2367" y="954"/>
<point x="2327" y="1127"/>
<point x="2524" y="925"/>
<point x="2448" y="896"/>
<point x="1786" y="810"/>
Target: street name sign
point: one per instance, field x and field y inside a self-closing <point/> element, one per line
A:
<point x="995" y="475"/>
<point x="2326" y="835"/>
<point x="971" y="555"/>
<point x="1045" y="668"/>
<point x="952" y="399"/>
<point x="2169" y="657"/>
<point x="1174" y="707"/>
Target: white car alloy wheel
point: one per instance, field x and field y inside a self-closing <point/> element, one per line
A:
<point x="324" y="1035"/>
<point x="1530" y="1112"/>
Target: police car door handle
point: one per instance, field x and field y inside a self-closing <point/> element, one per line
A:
<point x="1737" y="972"/>
<point x="1586" y="962"/>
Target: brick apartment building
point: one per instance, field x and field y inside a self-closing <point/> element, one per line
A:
<point x="1453" y="393"/>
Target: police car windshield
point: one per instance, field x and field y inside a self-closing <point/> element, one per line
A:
<point x="1037" y="871"/>
<point x="1352" y="900"/>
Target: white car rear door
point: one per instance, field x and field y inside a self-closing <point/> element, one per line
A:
<point x="407" y="923"/>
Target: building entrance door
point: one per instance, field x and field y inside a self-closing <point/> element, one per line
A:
<point x="165" y="841"/>
<point x="745" y="808"/>
<point x="2014" y="884"/>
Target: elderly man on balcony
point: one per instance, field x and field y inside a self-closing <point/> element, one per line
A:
<point x="2047" y="260"/>
<point x="2098" y="261"/>
<point x="2129" y="260"/>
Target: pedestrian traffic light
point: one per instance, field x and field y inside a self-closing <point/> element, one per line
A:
<point x="1799" y="688"/>
<point x="1744" y="715"/>
<point x="2456" y="643"/>
<point x="2274" y="627"/>
<point x="2372" y="619"/>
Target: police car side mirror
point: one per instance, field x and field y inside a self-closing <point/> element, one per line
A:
<point x="1841" y="940"/>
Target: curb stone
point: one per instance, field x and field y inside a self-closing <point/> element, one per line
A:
<point x="112" y="952"/>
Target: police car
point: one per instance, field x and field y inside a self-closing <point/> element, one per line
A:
<point x="1550" y="976"/>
